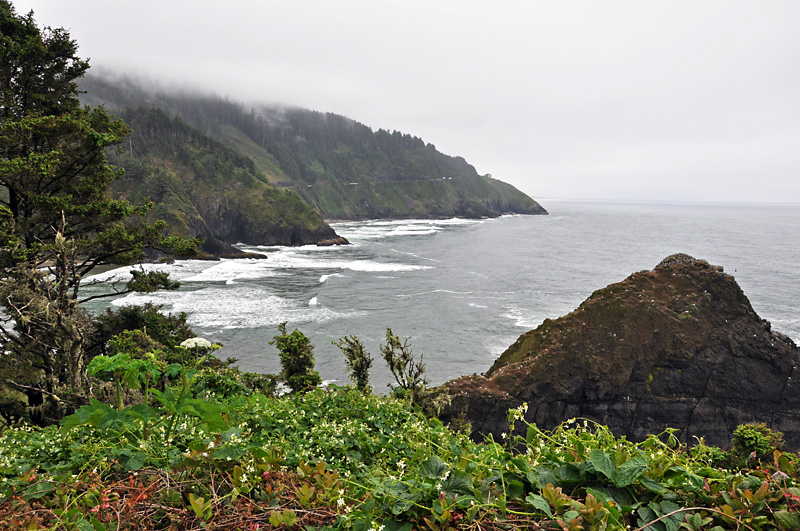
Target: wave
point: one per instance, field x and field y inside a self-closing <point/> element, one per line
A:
<point x="372" y="230"/>
<point x="232" y="270"/>
<point x="451" y="291"/>
<point x="178" y="271"/>
<point x="238" y="306"/>
<point x="415" y="255"/>
<point x="323" y="278"/>
<point x="370" y="266"/>
<point x="523" y="318"/>
<point x="224" y="271"/>
<point x="290" y="260"/>
<point x="496" y="345"/>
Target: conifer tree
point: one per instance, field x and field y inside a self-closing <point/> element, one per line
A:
<point x="57" y="218"/>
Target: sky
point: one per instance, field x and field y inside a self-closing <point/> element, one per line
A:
<point x="680" y="100"/>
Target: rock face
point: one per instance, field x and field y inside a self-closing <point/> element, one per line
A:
<point x="676" y="347"/>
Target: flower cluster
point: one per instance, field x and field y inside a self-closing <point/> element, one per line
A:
<point x="196" y="342"/>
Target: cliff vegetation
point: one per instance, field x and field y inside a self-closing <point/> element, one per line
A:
<point x="340" y="167"/>
<point x="196" y="444"/>
<point x="203" y="188"/>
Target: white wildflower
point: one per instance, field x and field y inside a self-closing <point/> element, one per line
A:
<point x="196" y="342"/>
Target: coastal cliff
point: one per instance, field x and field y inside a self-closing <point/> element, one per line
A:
<point x="676" y="347"/>
<point x="339" y="167"/>
<point x="205" y="189"/>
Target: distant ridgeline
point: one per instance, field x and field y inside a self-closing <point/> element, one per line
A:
<point x="339" y="167"/>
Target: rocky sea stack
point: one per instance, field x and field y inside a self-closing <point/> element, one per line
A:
<point x="676" y="347"/>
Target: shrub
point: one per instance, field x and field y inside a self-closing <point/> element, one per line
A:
<point x="358" y="361"/>
<point x="754" y="442"/>
<point x="166" y="329"/>
<point x="407" y="372"/>
<point x="297" y="359"/>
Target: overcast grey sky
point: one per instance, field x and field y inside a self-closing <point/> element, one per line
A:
<point x="634" y="99"/>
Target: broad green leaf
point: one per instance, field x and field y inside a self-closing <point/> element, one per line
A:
<point x="630" y="471"/>
<point x="37" y="490"/>
<point x="531" y="433"/>
<point x="673" y="522"/>
<point x="391" y="525"/>
<point x="568" y="474"/>
<point x="539" y="503"/>
<point x="654" y="486"/>
<point x="542" y="476"/>
<point x="788" y="520"/>
<point x="514" y="489"/>
<point x="603" y="463"/>
<point x="647" y="515"/>
<point x="84" y="525"/>
<point x="458" y="483"/>
<point x="432" y="468"/>
<point x="522" y="464"/>
<point x="135" y="461"/>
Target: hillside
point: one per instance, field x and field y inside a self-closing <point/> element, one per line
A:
<point x="340" y="167"/>
<point x="203" y="188"/>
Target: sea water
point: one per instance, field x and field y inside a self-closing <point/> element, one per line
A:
<point x="462" y="291"/>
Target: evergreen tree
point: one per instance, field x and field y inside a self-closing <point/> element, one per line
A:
<point x="57" y="219"/>
<point x="297" y="359"/>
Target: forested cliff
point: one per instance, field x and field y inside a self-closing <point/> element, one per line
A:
<point x="204" y="188"/>
<point x="339" y="167"/>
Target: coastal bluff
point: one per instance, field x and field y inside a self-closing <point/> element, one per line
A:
<point x="676" y="347"/>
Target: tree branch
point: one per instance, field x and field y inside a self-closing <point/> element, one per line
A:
<point x="28" y="387"/>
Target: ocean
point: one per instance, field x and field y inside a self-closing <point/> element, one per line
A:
<point x="461" y="290"/>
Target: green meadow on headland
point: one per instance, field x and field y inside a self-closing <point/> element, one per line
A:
<point x="127" y="420"/>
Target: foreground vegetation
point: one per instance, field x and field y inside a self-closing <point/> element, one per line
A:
<point x="209" y="452"/>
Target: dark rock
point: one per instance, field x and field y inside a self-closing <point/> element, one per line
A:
<point x="220" y="226"/>
<point x="242" y="254"/>
<point x="213" y="245"/>
<point x="341" y="240"/>
<point x="677" y="347"/>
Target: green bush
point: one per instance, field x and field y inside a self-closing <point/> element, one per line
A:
<point x="358" y="360"/>
<point x="297" y="359"/>
<point x="407" y="371"/>
<point x="753" y="443"/>
<point x="167" y="330"/>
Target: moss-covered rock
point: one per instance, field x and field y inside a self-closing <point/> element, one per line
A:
<point x="676" y="347"/>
